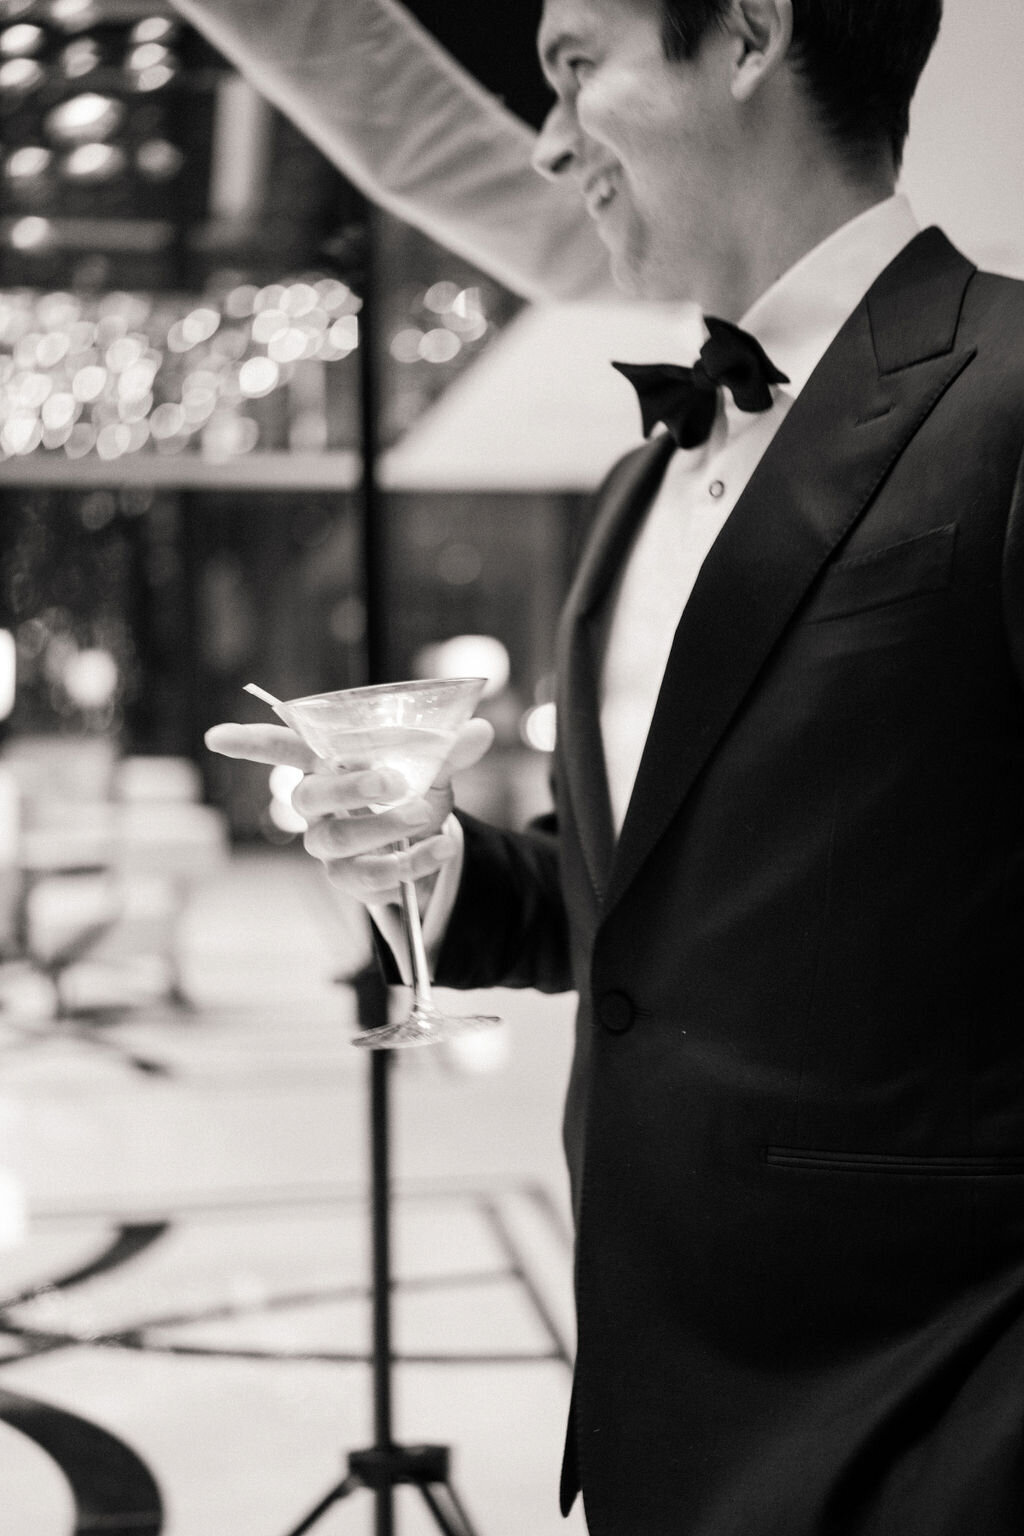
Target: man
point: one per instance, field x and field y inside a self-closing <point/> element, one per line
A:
<point x="786" y="869"/>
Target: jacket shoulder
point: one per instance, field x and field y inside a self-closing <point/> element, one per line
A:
<point x="993" y="323"/>
<point x="994" y="301"/>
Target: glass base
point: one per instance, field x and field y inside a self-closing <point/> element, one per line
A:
<point x="424" y="1026"/>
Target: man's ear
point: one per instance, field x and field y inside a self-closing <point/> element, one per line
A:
<point x="763" y="32"/>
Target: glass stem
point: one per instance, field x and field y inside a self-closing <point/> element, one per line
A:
<point x="422" y="995"/>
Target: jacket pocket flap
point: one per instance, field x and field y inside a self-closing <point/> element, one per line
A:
<point x="884" y="576"/>
<point x="971" y="1165"/>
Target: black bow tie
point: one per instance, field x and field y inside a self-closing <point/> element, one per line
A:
<point x="685" y="399"/>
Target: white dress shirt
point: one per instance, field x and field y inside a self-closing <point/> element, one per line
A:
<point x="796" y="321"/>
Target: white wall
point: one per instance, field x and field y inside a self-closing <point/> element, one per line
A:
<point x="965" y="159"/>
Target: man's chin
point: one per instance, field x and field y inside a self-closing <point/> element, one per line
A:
<point x="634" y="281"/>
<point x="636" y="278"/>
<point x="627" y="274"/>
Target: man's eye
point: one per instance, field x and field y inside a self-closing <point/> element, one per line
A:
<point x="579" y="68"/>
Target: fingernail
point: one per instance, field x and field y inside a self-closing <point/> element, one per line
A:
<point x="414" y="815"/>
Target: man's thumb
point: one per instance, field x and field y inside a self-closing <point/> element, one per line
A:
<point x="469" y="747"/>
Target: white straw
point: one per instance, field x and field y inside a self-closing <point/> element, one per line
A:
<point x="261" y="693"/>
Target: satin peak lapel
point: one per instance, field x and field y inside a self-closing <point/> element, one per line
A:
<point x="581" y="762"/>
<point x="876" y="385"/>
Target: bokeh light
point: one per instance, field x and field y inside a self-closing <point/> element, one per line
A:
<point x="468" y="656"/>
<point x="115" y="373"/>
<point x="344" y="334"/>
<point x="440" y="346"/>
<point x="31" y="234"/>
<point x="28" y="163"/>
<point x="94" y="162"/>
<point x="19" y="76"/>
<point x="258" y="376"/>
<point x="154" y="29"/>
<point x="22" y="433"/>
<point x="90" y="678"/>
<point x="85" y="117"/>
<point x="199" y="325"/>
<point x="22" y="41"/>
<point x="158" y="159"/>
<point x="74" y="14"/>
<point x="146" y="55"/>
<point x="405" y="345"/>
<point x="440" y="297"/>
<point x="81" y="58"/>
<point x="538" y="727"/>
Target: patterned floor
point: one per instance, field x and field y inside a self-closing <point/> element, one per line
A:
<point x="184" y="1242"/>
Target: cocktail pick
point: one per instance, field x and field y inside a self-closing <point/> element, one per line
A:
<point x="261" y="693"/>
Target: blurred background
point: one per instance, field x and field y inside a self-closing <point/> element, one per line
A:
<point x="185" y="304"/>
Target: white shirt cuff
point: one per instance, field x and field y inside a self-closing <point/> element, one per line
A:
<point x="388" y="919"/>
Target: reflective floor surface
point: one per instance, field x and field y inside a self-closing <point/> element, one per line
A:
<point x="185" y="1315"/>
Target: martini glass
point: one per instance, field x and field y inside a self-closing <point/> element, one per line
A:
<point x="409" y="727"/>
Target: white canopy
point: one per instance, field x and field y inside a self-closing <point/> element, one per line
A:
<point x="374" y="91"/>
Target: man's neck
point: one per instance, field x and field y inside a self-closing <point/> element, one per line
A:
<point x="781" y="227"/>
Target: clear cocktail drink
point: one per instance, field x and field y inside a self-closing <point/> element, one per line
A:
<point x="409" y="727"/>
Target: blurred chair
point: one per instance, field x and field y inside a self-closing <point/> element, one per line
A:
<point x="167" y="843"/>
<point x="10" y="873"/>
<point x="68" y="896"/>
<point x="109" y="853"/>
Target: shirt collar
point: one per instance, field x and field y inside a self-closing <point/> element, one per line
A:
<point x="797" y="319"/>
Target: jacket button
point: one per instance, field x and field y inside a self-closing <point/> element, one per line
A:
<point x="616" y="1012"/>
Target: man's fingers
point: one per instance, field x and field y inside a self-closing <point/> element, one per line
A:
<point x="354" y="843"/>
<point x="333" y="794"/>
<point x="346" y="837"/>
<point x="472" y="742"/>
<point x="274" y="744"/>
<point x="374" y="878"/>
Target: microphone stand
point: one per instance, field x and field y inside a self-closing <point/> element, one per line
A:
<point x="385" y="1465"/>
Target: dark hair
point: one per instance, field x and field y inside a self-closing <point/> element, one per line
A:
<point x="860" y="60"/>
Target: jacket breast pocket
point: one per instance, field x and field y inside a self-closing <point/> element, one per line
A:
<point x="882" y="578"/>
<point x="971" y="1166"/>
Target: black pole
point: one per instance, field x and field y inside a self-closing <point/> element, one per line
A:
<point x="381" y="1255"/>
<point x="371" y="1001"/>
<point x="373" y="528"/>
<point x="372" y="995"/>
<point x="386" y="1465"/>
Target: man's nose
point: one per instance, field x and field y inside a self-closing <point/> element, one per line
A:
<point x="557" y="148"/>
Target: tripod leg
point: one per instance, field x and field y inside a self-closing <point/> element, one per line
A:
<point x="449" y="1526"/>
<point x="460" y="1510"/>
<point x="341" y="1492"/>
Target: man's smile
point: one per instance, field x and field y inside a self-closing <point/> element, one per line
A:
<point x="599" y="191"/>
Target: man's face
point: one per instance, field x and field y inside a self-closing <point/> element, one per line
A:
<point x="648" y="141"/>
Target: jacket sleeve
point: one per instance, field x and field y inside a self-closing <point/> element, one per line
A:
<point x="509" y="926"/>
<point x="414" y="131"/>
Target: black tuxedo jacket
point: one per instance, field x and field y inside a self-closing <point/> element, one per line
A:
<point x="795" y="1123"/>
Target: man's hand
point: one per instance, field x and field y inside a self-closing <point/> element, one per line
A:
<point x="353" y="842"/>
